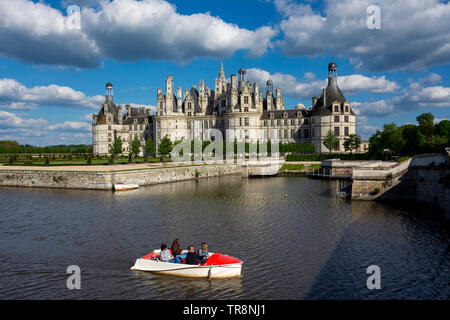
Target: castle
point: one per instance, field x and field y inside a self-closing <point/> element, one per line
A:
<point x="236" y="108"/>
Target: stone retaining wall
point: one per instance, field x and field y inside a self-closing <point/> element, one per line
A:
<point x="105" y="180"/>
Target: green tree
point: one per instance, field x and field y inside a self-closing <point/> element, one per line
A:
<point x="331" y="141"/>
<point x="165" y="147"/>
<point x="426" y="124"/>
<point x="116" y="149"/>
<point x="135" y="147"/>
<point x="352" y="142"/>
<point x="150" y="148"/>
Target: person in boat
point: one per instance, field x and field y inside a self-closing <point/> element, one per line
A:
<point x="177" y="252"/>
<point x="192" y="256"/>
<point x="165" y="254"/>
<point x="203" y="253"/>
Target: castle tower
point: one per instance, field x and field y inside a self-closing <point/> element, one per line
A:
<point x="269" y="96"/>
<point x="241" y="79"/>
<point x="109" y="91"/>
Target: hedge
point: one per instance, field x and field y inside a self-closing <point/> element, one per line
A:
<point x="323" y="156"/>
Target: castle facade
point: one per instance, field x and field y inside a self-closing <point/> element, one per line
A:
<point x="238" y="109"/>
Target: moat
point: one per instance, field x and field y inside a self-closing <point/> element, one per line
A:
<point x="297" y="241"/>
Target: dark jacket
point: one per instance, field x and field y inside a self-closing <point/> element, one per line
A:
<point x="192" y="258"/>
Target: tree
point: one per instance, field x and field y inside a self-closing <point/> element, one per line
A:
<point x="135" y="147"/>
<point x="331" y="141"/>
<point x="116" y="149"/>
<point x="352" y="142"/>
<point x="150" y="147"/>
<point x="426" y="122"/>
<point x="165" y="147"/>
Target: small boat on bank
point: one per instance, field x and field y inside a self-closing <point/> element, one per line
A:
<point x="218" y="265"/>
<point x="120" y="186"/>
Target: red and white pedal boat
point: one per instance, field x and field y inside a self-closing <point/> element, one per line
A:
<point x="218" y="265"/>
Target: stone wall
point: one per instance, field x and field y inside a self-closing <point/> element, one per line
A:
<point x="105" y="180"/>
<point x="422" y="178"/>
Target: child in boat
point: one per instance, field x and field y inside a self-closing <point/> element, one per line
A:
<point x="165" y="254"/>
<point x="203" y="253"/>
<point x="191" y="256"/>
<point x="177" y="251"/>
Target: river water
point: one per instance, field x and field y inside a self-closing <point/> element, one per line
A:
<point x="297" y="241"/>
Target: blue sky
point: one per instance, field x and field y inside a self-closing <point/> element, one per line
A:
<point x="52" y="77"/>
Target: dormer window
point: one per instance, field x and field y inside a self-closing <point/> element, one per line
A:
<point x="336" y="108"/>
<point x="285" y="115"/>
<point x="271" y="115"/>
<point x="346" y="108"/>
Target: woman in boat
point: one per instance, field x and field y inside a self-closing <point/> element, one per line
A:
<point x="203" y="253"/>
<point x="177" y="251"/>
<point x="165" y="254"/>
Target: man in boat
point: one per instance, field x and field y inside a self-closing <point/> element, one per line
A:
<point x="192" y="257"/>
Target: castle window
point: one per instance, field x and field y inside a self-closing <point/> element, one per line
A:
<point x="265" y="122"/>
<point x="336" y="108"/>
<point x="346" y="131"/>
<point x="245" y="109"/>
<point x="109" y="127"/>
<point x="336" y="118"/>
<point x="189" y="105"/>
<point x="272" y="122"/>
<point x="278" y="122"/>
<point x="285" y="122"/>
<point x="336" y="131"/>
<point x="346" y="108"/>
<point x="292" y="122"/>
<point x="292" y="133"/>
<point x="246" y="121"/>
<point x="271" y="115"/>
<point x="245" y="100"/>
<point x="240" y="121"/>
<point x="285" y="115"/>
<point x="346" y="118"/>
<point x="285" y="133"/>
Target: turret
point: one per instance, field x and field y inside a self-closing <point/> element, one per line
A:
<point x="109" y="91"/>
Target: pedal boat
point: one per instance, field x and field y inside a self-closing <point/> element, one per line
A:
<point x="120" y="186"/>
<point x="218" y="265"/>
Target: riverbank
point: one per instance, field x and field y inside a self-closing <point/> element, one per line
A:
<point x="104" y="178"/>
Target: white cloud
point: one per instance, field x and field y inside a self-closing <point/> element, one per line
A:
<point x="71" y="126"/>
<point x="378" y="108"/>
<point x="350" y="85"/>
<point x="11" y="120"/>
<point x="413" y="34"/>
<point x="124" y="30"/>
<point x="14" y="95"/>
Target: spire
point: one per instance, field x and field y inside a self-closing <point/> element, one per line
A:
<point x="221" y="73"/>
